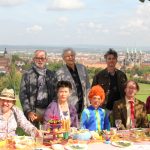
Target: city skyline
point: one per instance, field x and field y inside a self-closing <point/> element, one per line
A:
<point x="75" y="22"/>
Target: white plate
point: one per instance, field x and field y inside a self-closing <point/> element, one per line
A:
<point x="122" y="143"/>
<point x="42" y="148"/>
<point x="57" y="147"/>
<point x="76" y="147"/>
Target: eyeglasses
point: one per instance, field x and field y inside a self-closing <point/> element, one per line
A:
<point x="40" y="58"/>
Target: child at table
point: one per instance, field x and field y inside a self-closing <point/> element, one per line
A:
<point x="94" y="117"/>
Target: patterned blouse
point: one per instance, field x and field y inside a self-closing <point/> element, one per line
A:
<point x="16" y="119"/>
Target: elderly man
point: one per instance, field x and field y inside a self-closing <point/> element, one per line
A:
<point x="77" y="75"/>
<point x="131" y="111"/>
<point x="37" y="88"/>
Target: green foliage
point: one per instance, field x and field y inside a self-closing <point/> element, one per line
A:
<point x="15" y="58"/>
<point x="3" y="82"/>
<point x="92" y="71"/>
<point x="54" y="66"/>
<point x="142" y="1"/>
<point x="11" y="80"/>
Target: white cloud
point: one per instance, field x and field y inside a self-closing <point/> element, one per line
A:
<point x="63" y="19"/>
<point x="92" y="26"/>
<point x="62" y="22"/>
<point x="138" y="23"/>
<point x="66" y="5"/>
<point x="35" y="28"/>
<point x="11" y="2"/>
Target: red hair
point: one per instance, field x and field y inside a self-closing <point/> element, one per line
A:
<point x="97" y="90"/>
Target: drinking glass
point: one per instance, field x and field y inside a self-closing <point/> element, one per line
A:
<point x="148" y="117"/>
<point x="118" y="123"/>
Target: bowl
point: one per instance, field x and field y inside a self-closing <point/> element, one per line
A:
<point x="82" y="135"/>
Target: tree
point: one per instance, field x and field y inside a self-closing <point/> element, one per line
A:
<point x="13" y="79"/>
<point x="143" y="1"/>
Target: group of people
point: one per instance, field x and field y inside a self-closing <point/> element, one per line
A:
<point x="67" y="94"/>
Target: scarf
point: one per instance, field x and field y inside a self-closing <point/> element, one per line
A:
<point x="42" y="88"/>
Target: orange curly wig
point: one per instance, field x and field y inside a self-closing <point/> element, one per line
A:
<point x="97" y="90"/>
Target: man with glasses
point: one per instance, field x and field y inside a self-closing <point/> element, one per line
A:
<point x="130" y="110"/>
<point x="37" y="88"/>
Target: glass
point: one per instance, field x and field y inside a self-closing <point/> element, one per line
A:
<point x="118" y="123"/>
<point x="40" y="58"/>
<point x="148" y="117"/>
<point x="39" y="140"/>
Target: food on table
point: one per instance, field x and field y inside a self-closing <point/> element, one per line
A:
<point x="96" y="135"/>
<point x="76" y="147"/>
<point x="122" y="143"/>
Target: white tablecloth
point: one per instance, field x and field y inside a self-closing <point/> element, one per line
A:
<point x="134" y="146"/>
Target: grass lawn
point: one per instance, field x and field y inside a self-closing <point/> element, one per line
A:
<point x="144" y="92"/>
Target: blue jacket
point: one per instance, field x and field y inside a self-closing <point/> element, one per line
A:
<point x="95" y="119"/>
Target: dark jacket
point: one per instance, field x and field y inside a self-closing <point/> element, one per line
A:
<point x="29" y="89"/>
<point x="102" y="78"/>
<point x="120" y="112"/>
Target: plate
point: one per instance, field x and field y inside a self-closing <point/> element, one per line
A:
<point x="42" y="148"/>
<point x="57" y="147"/>
<point x="122" y="143"/>
<point x="76" y="147"/>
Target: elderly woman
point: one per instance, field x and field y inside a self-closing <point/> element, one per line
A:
<point x="12" y="117"/>
<point x="94" y="117"/>
<point x="61" y="108"/>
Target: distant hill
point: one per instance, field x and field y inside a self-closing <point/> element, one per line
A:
<point x="77" y="48"/>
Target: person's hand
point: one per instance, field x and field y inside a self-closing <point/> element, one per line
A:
<point x="32" y="116"/>
<point x="36" y="133"/>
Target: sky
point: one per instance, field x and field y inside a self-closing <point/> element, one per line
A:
<point x="75" y="22"/>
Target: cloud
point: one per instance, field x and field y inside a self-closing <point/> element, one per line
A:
<point x="66" y="5"/>
<point x="35" y="28"/>
<point x="62" y="21"/>
<point x="92" y="26"/>
<point x="138" y="22"/>
<point x="11" y="2"/>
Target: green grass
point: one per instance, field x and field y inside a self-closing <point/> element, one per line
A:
<point x="144" y="92"/>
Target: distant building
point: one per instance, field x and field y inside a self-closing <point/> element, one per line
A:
<point x="5" y="61"/>
<point x="133" y="58"/>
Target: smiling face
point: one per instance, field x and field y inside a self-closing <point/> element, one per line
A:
<point x="6" y="105"/>
<point x="111" y="61"/>
<point x="96" y="101"/>
<point x="69" y="58"/>
<point x="131" y="90"/>
<point x="63" y="94"/>
<point x="40" y="59"/>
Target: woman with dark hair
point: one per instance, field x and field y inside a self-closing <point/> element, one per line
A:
<point x="61" y="108"/>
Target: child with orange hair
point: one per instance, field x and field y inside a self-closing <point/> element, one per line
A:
<point x="94" y="117"/>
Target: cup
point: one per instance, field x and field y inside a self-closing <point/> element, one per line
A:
<point x="113" y="131"/>
<point x="66" y="135"/>
<point x="39" y="140"/>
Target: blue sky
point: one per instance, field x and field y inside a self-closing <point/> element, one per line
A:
<point x="75" y="22"/>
